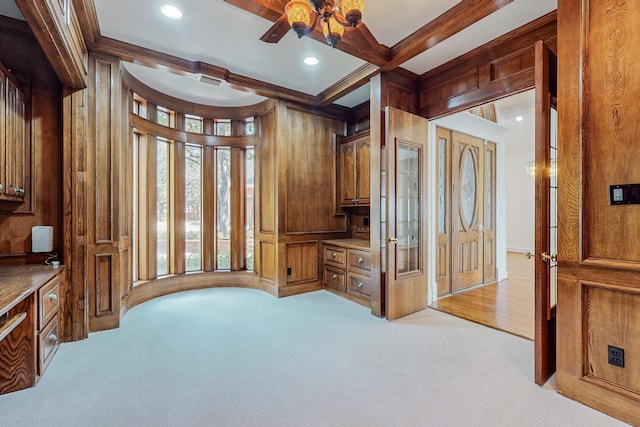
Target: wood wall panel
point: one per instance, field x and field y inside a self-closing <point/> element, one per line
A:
<point x="267" y="261"/>
<point x="598" y="277"/>
<point x="266" y="174"/>
<point x="104" y="151"/>
<point x="612" y="74"/>
<point x="500" y="67"/>
<point x="106" y="191"/>
<point x="103" y="278"/>
<point x="309" y="158"/>
<point x="302" y="262"/>
<point x="610" y="318"/>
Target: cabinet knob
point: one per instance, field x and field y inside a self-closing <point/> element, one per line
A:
<point x="354" y="201"/>
<point x="53" y="297"/>
<point x="360" y="284"/>
<point x="334" y="276"/>
<point x="360" y="260"/>
<point x="333" y="254"/>
<point x="53" y="338"/>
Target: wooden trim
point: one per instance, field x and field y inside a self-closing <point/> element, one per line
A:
<point x="454" y="20"/>
<point x="154" y="59"/>
<point x="60" y="39"/>
<point x="349" y="83"/>
<point x="88" y="20"/>
<point x="149" y="127"/>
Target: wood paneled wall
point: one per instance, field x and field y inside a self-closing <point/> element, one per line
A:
<point x="500" y="67"/>
<point x="599" y="256"/>
<point x="20" y="52"/>
<point x="296" y="206"/>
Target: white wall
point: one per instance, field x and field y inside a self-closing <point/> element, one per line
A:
<point x="520" y="186"/>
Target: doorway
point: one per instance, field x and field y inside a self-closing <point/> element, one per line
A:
<point x="507" y="301"/>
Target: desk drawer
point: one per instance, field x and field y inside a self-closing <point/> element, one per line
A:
<point x="360" y="260"/>
<point x="359" y="286"/>
<point x="48" y="342"/>
<point x="334" y="278"/>
<point x="48" y="301"/>
<point x="336" y="256"/>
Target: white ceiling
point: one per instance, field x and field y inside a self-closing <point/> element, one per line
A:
<point x="223" y="35"/>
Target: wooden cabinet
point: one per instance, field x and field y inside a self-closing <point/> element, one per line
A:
<point x="29" y="305"/>
<point x="354" y="170"/>
<point x="347" y="267"/>
<point x="13" y="139"/>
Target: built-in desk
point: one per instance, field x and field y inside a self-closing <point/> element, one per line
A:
<point x="29" y="302"/>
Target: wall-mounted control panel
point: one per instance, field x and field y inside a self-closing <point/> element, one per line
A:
<point x="624" y="194"/>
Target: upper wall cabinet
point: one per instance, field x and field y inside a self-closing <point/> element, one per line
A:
<point x="354" y="170"/>
<point x="13" y="139"/>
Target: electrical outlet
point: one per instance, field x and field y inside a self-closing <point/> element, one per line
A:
<point x="616" y="356"/>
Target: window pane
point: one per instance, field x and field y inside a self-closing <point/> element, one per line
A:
<point x="162" y="206"/>
<point x="223" y="128"/>
<point x="223" y="164"/>
<point x="193" y="204"/>
<point x="442" y="185"/>
<point x="163" y="118"/>
<point x="193" y="124"/>
<point x="250" y="128"/>
<point x="408" y="209"/>
<point x="249" y="168"/>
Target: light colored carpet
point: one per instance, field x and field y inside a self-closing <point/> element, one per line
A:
<point x="238" y="357"/>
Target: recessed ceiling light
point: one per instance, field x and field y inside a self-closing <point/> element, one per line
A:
<point x="519" y="119"/>
<point x="171" y="11"/>
<point x="311" y="60"/>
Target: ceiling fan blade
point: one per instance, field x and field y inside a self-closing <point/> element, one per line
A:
<point x="277" y="30"/>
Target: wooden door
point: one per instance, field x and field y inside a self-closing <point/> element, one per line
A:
<point x="406" y="143"/>
<point x="363" y="191"/>
<point x="467" y="257"/>
<point x="489" y="226"/>
<point x="443" y="211"/>
<point x="546" y="226"/>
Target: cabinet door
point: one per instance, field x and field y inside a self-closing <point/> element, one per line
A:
<point x="348" y="191"/>
<point x="14" y="141"/>
<point x="362" y="172"/>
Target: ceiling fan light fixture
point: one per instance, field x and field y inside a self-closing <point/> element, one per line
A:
<point x="300" y="16"/>
<point x="332" y="31"/>
<point x="352" y="11"/>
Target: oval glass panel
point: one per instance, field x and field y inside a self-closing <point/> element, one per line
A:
<point x="468" y="189"/>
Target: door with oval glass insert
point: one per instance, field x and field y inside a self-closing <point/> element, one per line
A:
<point x="467" y="257"/>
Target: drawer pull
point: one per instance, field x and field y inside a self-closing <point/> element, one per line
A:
<point x="52" y="297"/>
<point x="360" y="284"/>
<point x="333" y="254"/>
<point x="360" y="260"/>
<point x="334" y="276"/>
<point x="53" y="338"/>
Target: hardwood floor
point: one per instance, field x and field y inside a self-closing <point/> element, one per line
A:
<point x="507" y="305"/>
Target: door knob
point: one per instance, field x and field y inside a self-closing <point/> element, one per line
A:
<point x="393" y="240"/>
<point x="528" y="255"/>
<point x="546" y="257"/>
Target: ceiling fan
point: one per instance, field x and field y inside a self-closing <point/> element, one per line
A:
<point x="302" y="17"/>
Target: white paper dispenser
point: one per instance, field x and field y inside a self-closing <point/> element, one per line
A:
<point x="42" y="238"/>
